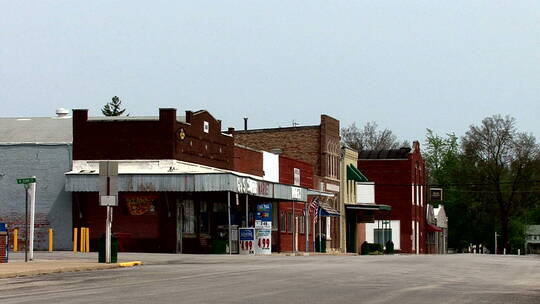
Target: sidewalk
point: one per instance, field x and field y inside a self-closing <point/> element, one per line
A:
<point x="45" y="264"/>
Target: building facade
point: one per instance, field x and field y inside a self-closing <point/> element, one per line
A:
<point x="40" y="147"/>
<point x="400" y="181"/>
<point x="318" y="146"/>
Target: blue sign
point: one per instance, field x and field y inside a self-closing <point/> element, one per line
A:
<point x="3" y="227"/>
<point x="247" y="234"/>
<point x="263" y="216"/>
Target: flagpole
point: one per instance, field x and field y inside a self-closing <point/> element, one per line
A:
<point x="319" y="219"/>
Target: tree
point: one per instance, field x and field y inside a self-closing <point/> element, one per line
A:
<point x="505" y="163"/>
<point x="369" y="138"/>
<point x="113" y="108"/>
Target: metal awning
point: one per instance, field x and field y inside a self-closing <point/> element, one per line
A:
<point x="319" y="193"/>
<point x="354" y="174"/>
<point x="368" y="207"/>
<point x="326" y="210"/>
<point x="188" y="182"/>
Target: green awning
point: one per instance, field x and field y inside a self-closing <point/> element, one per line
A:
<point x="368" y="207"/>
<point x="355" y="174"/>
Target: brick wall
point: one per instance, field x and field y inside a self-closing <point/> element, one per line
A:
<point x="163" y="138"/>
<point x="3" y="248"/>
<point x="301" y="143"/>
<point x="248" y="161"/>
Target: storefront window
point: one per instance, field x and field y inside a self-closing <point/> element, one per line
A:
<point x="289" y="222"/>
<point x="283" y="222"/>
<point x="189" y="217"/>
<point x="302" y="224"/>
<point x="203" y="218"/>
<point x="378" y="235"/>
<point x="275" y="216"/>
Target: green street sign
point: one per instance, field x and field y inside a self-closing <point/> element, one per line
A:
<point x="27" y="180"/>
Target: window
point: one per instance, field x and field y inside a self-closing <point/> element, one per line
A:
<point x="283" y="222"/>
<point x="378" y="236"/>
<point x="188" y="225"/>
<point x="275" y="216"/>
<point x="289" y="222"/>
<point x="302" y="224"/>
<point x="296" y="173"/>
<point x="203" y="218"/>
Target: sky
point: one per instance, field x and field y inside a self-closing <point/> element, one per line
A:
<point x="407" y="65"/>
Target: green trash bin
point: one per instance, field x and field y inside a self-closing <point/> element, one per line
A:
<point x="114" y="249"/>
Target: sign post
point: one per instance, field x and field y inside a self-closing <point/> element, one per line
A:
<point x="26" y="182"/>
<point x="108" y="194"/>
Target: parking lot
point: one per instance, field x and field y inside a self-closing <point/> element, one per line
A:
<point x="169" y="278"/>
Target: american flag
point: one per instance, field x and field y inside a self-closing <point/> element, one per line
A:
<point x="314" y="209"/>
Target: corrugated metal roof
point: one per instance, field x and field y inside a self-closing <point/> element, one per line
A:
<point x="36" y="130"/>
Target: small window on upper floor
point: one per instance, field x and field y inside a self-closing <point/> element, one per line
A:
<point x="206" y="127"/>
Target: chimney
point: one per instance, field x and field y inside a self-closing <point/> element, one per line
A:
<point x="230" y="130"/>
<point x="245" y="123"/>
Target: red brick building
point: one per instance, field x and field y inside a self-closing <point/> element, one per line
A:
<point x="177" y="188"/>
<point x="400" y="181"/>
<point x="318" y="146"/>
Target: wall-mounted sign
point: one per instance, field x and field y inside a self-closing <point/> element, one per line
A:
<point x="263" y="216"/>
<point x="247" y="185"/>
<point x="296" y="193"/>
<point x="206" y="127"/>
<point x="181" y="134"/>
<point x="296" y="173"/>
<point x="332" y="187"/>
<point x="435" y="194"/>
<point x="141" y="205"/>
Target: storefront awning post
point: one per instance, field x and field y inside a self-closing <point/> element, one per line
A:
<point x="293" y="228"/>
<point x="247" y="211"/>
<point x="229" y="220"/>
<point x="319" y="219"/>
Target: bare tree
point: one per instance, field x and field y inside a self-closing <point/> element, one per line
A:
<point x="506" y="161"/>
<point x="370" y="138"/>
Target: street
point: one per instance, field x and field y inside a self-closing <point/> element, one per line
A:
<point x="169" y="278"/>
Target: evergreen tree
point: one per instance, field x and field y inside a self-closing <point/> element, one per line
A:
<point x="113" y="108"/>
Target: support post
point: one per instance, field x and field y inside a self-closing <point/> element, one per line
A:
<point x="32" y="218"/>
<point x="495" y="252"/>
<point x="26" y="225"/>
<point x="75" y="231"/>
<point x="319" y="219"/>
<point x="87" y="246"/>
<point x="229" y="220"/>
<point x="15" y="239"/>
<point x="293" y="229"/>
<point x="82" y="240"/>
<point x="108" y="235"/>
<point x="50" y="240"/>
<point x="306" y="210"/>
<point x="247" y="211"/>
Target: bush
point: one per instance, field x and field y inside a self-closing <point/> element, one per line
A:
<point x="371" y="248"/>
<point x="389" y="247"/>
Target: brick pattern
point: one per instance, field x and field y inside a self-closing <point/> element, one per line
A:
<point x="165" y="138"/>
<point x="248" y="161"/>
<point x="301" y="143"/>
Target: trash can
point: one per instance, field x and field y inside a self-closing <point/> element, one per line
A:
<point x="3" y="243"/>
<point x="320" y="246"/>
<point x="114" y="249"/>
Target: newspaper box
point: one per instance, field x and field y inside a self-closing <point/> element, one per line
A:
<point x="247" y="241"/>
<point x="3" y="243"/>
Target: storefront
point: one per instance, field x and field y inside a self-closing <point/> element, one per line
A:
<point x="177" y="206"/>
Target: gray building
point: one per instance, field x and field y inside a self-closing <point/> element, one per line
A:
<point x="40" y="147"/>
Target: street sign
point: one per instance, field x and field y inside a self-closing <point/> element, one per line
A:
<point x="27" y="180"/>
<point x="108" y="200"/>
<point x="435" y="194"/>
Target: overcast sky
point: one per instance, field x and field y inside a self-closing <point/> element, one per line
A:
<point x="408" y="65"/>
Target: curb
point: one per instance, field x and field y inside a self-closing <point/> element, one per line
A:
<point x="130" y="264"/>
<point x="57" y="270"/>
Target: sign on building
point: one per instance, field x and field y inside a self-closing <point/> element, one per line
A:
<point x="263" y="216"/>
<point x="435" y="194"/>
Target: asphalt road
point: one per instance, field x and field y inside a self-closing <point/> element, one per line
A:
<point x="283" y="279"/>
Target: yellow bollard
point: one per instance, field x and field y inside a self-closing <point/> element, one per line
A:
<point x="75" y="240"/>
<point x="81" y="248"/>
<point x="87" y="239"/>
<point x="50" y="240"/>
<point x="15" y="239"/>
